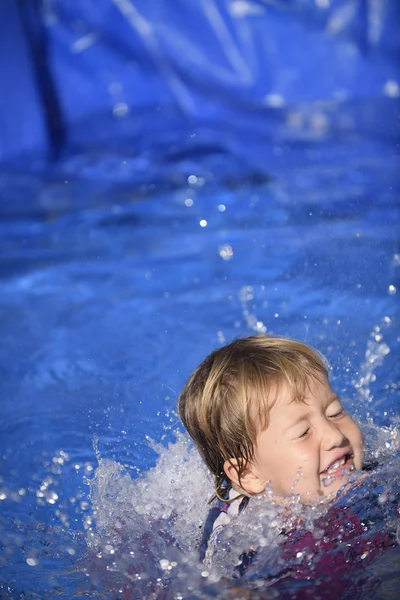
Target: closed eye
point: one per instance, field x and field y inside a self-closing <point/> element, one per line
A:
<point x="304" y="434"/>
<point x="337" y="414"/>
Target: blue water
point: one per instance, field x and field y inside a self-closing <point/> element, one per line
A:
<point x="112" y="292"/>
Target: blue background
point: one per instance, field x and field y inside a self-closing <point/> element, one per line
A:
<point x="174" y="174"/>
<point x="69" y="68"/>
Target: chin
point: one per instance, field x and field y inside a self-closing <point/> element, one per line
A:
<point x="331" y="491"/>
<point x="324" y="493"/>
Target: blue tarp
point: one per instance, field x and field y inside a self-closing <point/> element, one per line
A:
<point x="81" y="73"/>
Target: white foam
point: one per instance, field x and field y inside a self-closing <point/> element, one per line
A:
<point x="171" y="496"/>
<point x="146" y="531"/>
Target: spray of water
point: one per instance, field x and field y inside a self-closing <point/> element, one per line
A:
<point x="375" y="354"/>
<point x="144" y="533"/>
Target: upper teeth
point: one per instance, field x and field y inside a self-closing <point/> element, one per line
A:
<point x="334" y="466"/>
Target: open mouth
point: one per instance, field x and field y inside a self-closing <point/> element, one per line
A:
<point x="340" y="467"/>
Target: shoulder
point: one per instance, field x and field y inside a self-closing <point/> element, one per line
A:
<point x="219" y="515"/>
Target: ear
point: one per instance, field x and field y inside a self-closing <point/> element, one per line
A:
<point x="250" y="482"/>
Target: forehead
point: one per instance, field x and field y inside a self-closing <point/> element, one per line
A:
<point x="288" y="402"/>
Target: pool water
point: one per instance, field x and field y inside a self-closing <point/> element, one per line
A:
<point x="111" y="295"/>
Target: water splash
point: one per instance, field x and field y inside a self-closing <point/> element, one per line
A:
<point x="375" y="354"/>
<point x="144" y="534"/>
<point x="246" y="295"/>
<point x="144" y="529"/>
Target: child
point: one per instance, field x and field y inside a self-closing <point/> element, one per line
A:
<point x="261" y="412"/>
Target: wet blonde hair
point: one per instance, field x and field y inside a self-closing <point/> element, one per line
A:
<point x="225" y="403"/>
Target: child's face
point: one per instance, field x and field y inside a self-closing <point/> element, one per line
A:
<point x="308" y="449"/>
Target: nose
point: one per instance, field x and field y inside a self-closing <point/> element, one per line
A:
<point x="332" y="436"/>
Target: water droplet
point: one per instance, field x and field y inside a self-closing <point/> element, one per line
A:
<point x="164" y="563"/>
<point x="262" y="541"/>
<point x="274" y="100"/>
<point x="32" y="562"/>
<point x="322" y="3"/>
<point x="120" y="109"/>
<point x="391" y="89"/>
<point x="225" y="251"/>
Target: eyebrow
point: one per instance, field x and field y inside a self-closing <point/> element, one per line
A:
<point x="305" y="416"/>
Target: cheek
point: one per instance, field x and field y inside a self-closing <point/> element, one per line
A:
<point x="354" y="435"/>
<point x="358" y="445"/>
<point x="301" y="458"/>
<point x="273" y="457"/>
<point x="307" y="456"/>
